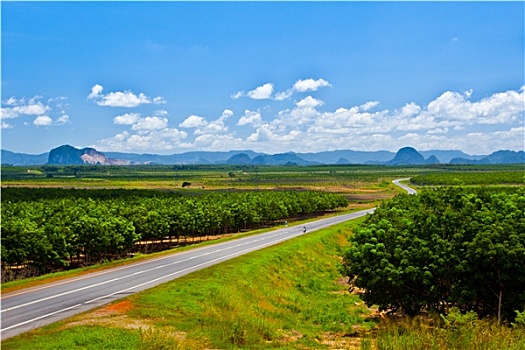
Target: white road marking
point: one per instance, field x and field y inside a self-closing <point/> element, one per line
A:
<point x="39" y="318"/>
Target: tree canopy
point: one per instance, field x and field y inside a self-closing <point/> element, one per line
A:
<point x="444" y="247"/>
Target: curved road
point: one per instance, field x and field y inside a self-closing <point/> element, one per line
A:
<point x="405" y="187"/>
<point x="35" y="307"/>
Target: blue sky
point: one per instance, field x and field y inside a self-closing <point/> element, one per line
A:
<point x="172" y="77"/>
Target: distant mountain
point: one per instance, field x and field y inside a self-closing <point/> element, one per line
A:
<point x="240" y="159"/>
<point x="70" y="155"/>
<point x="409" y="156"/>
<point x="281" y="159"/>
<point x="405" y="156"/>
<point x="432" y="160"/>
<point x="447" y="156"/>
<point x="197" y="157"/>
<point x="21" y="159"/>
<point x="352" y="157"/>
<point x="498" y="157"/>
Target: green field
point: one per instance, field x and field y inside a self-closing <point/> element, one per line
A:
<point x="291" y="296"/>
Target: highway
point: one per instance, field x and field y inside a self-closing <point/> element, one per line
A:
<point x="35" y="307"/>
<point x="405" y="187"/>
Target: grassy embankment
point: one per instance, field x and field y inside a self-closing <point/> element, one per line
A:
<point x="287" y="296"/>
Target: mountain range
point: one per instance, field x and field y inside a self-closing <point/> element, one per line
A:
<point x="69" y="155"/>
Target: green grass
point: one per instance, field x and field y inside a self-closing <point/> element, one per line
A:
<point x="88" y="338"/>
<point x="286" y="296"/>
<point x="458" y="332"/>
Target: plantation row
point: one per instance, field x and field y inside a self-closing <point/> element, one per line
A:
<point x="471" y="178"/>
<point x="446" y="247"/>
<point x="49" y="234"/>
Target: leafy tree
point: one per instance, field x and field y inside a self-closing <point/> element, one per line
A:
<point x="447" y="246"/>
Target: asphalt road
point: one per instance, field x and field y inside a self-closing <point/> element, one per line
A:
<point x="405" y="187"/>
<point x="32" y="308"/>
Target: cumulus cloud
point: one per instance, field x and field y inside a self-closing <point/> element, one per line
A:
<point x="302" y="86"/>
<point x="14" y="108"/>
<point x="23" y="106"/>
<point x="266" y="91"/>
<point x="126" y="119"/>
<point x="150" y="123"/>
<point x="166" y="139"/>
<point x="63" y="119"/>
<point x="193" y="121"/>
<point x="121" y="98"/>
<point x="309" y="102"/>
<point x="443" y="121"/>
<point x="452" y="120"/>
<point x="250" y="118"/>
<point x="368" y="105"/>
<point x="43" y="120"/>
<point x="310" y="85"/>
<point x="262" y="92"/>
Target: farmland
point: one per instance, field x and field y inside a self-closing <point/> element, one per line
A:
<point x="313" y="293"/>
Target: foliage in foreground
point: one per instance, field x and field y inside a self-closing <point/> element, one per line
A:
<point x="456" y="331"/>
<point x="285" y="296"/>
<point x="443" y="247"/>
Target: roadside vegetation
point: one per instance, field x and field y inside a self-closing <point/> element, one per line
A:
<point x="287" y="296"/>
<point x="84" y="227"/>
<point x="441" y="270"/>
<point x="444" y="247"/>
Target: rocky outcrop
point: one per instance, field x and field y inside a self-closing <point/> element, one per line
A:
<point x="69" y="155"/>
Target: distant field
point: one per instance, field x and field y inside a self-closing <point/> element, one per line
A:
<point x="245" y="177"/>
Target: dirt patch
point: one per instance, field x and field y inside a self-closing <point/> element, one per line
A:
<point x="113" y="315"/>
<point x="341" y="341"/>
<point x="120" y="307"/>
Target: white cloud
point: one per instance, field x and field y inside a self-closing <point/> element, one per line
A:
<point x="6" y="125"/>
<point x="11" y="101"/>
<point x="309" y="102"/>
<point x="218" y="142"/>
<point x="368" y="105"/>
<point x="238" y="94"/>
<point x="126" y="119"/>
<point x="193" y="121"/>
<point x="8" y="113"/>
<point x="95" y="91"/>
<point x="159" y="100"/>
<point x="408" y="110"/>
<point x="250" y="118"/>
<point x="302" y="86"/>
<point x="22" y="107"/>
<point x="43" y="120"/>
<point x="33" y="106"/>
<point x="32" y="109"/>
<point x="263" y="92"/>
<point x="281" y="96"/>
<point x="121" y="99"/>
<point x="166" y="139"/>
<point x="266" y="91"/>
<point x="217" y="126"/>
<point x="452" y="121"/>
<point x="150" y="123"/>
<point x="63" y="119"/>
<point x="310" y="85"/>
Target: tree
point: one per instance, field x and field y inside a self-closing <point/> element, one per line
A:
<point x="448" y="246"/>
